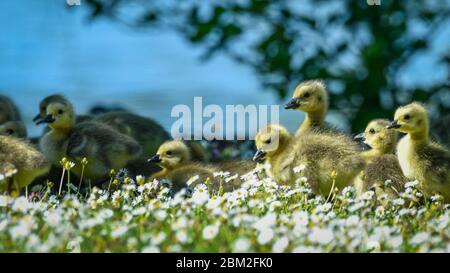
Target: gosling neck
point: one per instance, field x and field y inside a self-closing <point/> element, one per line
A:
<point x="372" y="153"/>
<point x="419" y="137"/>
<point x="170" y="168"/>
<point x="164" y="172"/>
<point x="389" y="148"/>
<point x="62" y="131"/>
<point x="166" y="169"/>
<point x="313" y="118"/>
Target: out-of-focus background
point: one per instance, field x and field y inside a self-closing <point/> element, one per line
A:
<point x="148" y="56"/>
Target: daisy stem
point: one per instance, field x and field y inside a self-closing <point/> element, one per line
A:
<point x="68" y="181"/>
<point x="90" y="188"/>
<point x="61" y="182"/>
<point x="331" y="190"/>
<point x="395" y="190"/>
<point x="110" y="182"/>
<point x="81" y="178"/>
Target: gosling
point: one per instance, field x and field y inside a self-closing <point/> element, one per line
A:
<point x="104" y="147"/>
<point x="145" y="131"/>
<point x="381" y="163"/>
<point x="330" y="161"/>
<point x="20" y="163"/>
<point x="311" y="97"/>
<point x="420" y="158"/>
<point x="174" y="158"/>
<point x="55" y="98"/>
<point x="14" y="128"/>
<point x="8" y="110"/>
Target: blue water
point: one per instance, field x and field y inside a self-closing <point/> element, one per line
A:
<point x="45" y="48"/>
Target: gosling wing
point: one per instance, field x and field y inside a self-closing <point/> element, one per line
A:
<point x="90" y="138"/>
<point x="438" y="159"/>
<point x="382" y="168"/>
<point x="146" y="131"/>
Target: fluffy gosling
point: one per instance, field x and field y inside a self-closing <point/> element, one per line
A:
<point x="14" y="128"/>
<point x="104" y="147"/>
<point x="20" y="163"/>
<point x="421" y="159"/>
<point x="145" y="131"/>
<point x="8" y="110"/>
<point x="55" y="98"/>
<point x="330" y="161"/>
<point x="174" y="158"/>
<point x="311" y="97"/>
<point x="381" y="163"/>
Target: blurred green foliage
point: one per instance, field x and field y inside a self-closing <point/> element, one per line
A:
<point x="359" y="49"/>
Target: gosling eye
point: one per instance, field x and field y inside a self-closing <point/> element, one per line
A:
<point x="60" y="112"/>
<point x="43" y="108"/>
<point x="307" y="95"/>
<point x="169" y="153"/>
<point x="268" y="141"/>
<point x="407" y="117"/>
<point x="372" y="131"/>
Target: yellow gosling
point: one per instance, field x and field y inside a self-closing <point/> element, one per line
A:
<point x="8" y="110"/>
<point x="14" y="129"/>
<point x="104" y="147"/>
<point x="381" y="163"/>
<point x="421" y="159"/>
<point x="20" y="163"/>
<point x="55" y="98"/>
<point x="174" y="158"/>
<point x="311" y="97"/>
<point x="329" y="161"/>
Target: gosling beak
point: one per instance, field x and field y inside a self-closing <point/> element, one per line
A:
<point x="37" y="117"/>
<point x="259" y="156"/>
<point x="155" y="159"/>
<point x="47" y="119"/>
<point x="359" y="137"/>
<point x="292" y="104"/>
<point x="393" y="125"/>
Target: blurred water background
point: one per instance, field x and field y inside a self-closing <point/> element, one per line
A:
<point x="45" y="48"/>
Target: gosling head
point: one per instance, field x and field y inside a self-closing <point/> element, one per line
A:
<point x="410" y="119"/>
<point x="45" y="102"/>
<point x="59" y="116"/>
<point x="14" y="129"/>
<point x="309" y="96"/>
<point x="378" y="137"/>
<point x="270" y="140"/>
<point x="171" y="154"/>
<point x="8" y="111"/>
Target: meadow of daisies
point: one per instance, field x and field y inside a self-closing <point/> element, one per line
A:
<point x="137" y="215"/>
